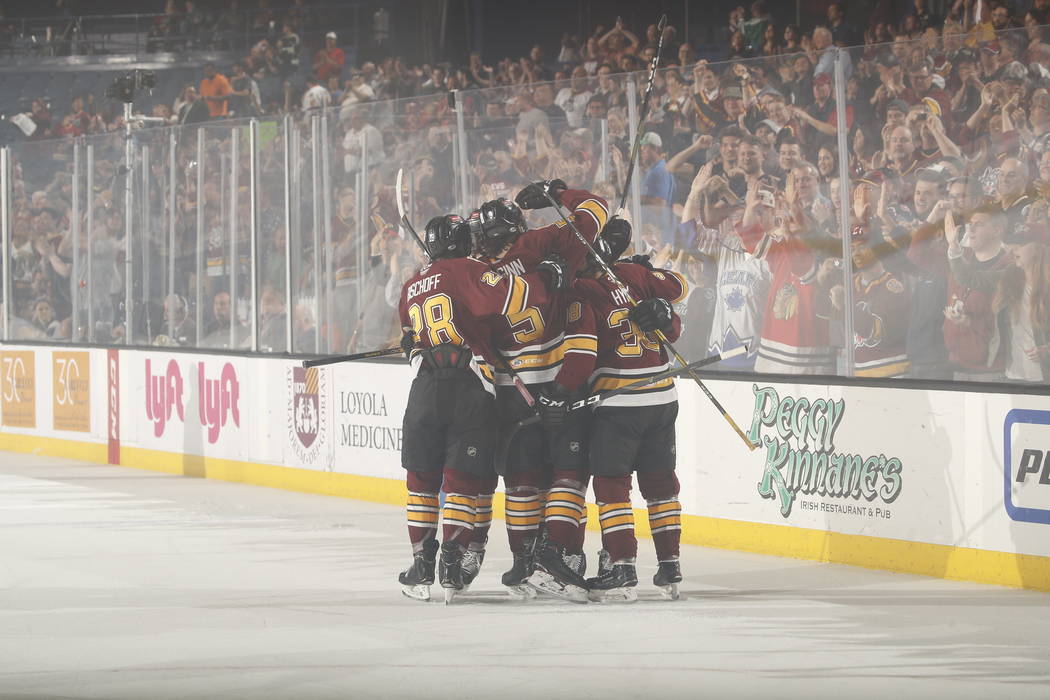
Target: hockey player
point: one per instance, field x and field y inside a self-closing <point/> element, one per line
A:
<point x="634" y="432"/>
<point x="449" y="310"/>
<point x="537" y="346"/>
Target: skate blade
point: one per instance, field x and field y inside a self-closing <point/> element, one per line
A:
<point x="670" y="591"/>
<point x="450" y="594"/>
<point x="627" y="594"/>
<point x="543" y="582"/>
<point x="521" y="591"/>
<point x="419" y="591"/>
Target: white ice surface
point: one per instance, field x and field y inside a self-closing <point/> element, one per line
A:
<point x="119" y="583"/>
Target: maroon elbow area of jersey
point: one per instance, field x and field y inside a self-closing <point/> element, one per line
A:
<point x="576" y="367"/>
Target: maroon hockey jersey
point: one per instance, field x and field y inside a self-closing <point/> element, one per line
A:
<point x="537" y="340"/>
<point x="625" y="353"/>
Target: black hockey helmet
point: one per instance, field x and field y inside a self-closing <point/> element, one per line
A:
<point x="499" y="222"/>
<point x="617" y="234"/>
<point x="447" y="236"/>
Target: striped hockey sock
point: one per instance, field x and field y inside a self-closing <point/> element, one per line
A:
<point x="665" y="521"/>
<point x="422" y="510"/>
<point x="524" y="509"/>
<point x="482" y="522"/>
<point x="617" y="521"/>
<point x="458" y="518"/>
<point x="565" y="507"/>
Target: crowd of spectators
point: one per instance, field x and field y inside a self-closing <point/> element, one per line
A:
<point x="945" y="200"/>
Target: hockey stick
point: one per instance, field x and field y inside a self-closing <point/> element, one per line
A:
<point x="385" y="352"/>
<point x="526" y="395"/>
<point x="633" y="302"/>
<point x="643" y="113"/>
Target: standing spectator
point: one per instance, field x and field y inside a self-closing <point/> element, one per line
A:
<point x="754" y="29"/>
<point x="361" y="135"/>
<point x="215" y="90"/>
<point x="288" y="48"/>
<point x="329" y="61"/>
<point x="842" y="34"/>
<point x="971" y="330"/>
<point x="824" y="57"/>
<point x="657" y="186"/>
<point x="193" y="109"/>
<point x="316" y="96"/>
<point x="357" y="91"/>
<point x="244" y="93"/>
<point x="573" y="98"/>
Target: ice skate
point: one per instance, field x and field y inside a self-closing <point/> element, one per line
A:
<point x="667" y="578"/>
<point x="472" y="561"/>
<point x="450" y="568"/>
<point x="416" y="580"/>
<point x="616" y="585"/>
<point x="551" y="574"/>
<point x="516" y="578"/>
<point x="577" y="562"/>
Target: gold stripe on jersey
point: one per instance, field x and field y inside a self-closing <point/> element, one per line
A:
<point x="658" y="393"/>
<point x="609" y="383"/>
<point x="681" y="281"/>
<point x="596" y="210"/>
<point x="540" y="363"/>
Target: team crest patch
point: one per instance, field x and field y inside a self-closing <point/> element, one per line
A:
<point x="894" y="286"/>
<point x="575" y="311"/>
<point x="472" y="451"/>
<point x="574" y="447"/>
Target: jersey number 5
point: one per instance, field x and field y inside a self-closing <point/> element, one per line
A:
<point x="436" y="316"/>
<point x="634" y="341"/>
<point x="520" y="315"/>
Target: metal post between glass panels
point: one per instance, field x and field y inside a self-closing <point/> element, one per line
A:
<point x="286" y="126"/>
<point x="844" y="204"/>
<point x="199" y="263"/>
<point x="169" y="286"/>
<point x="603" y="164"/>
<point x="315" y="174"/>
<point x="362" y="214"/>
<point x="234" y="253"/>
<point x="74" y="278"/>
<point x="146" y="232"/>
<point x="129" y="228"/>
<point x="90" y="192"/>
<point x="362" y="254"/>
<point x="326" y="207"/>
<point x="5" y="234"/>
<point x="464" y="160"/>
<point x="295" y="232"/>
<point x="253" y="225"/>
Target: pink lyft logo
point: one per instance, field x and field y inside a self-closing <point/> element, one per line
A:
<point x="218" y="400"/>
<point x="163" y="392"/>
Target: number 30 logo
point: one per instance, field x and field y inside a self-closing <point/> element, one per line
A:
<point x="14" y="372"/>
<point x="68" y="372"/>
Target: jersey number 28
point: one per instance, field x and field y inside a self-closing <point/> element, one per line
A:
<point x="436" y="315"/>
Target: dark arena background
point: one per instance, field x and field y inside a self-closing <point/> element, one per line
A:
<point x="242" y="342"/>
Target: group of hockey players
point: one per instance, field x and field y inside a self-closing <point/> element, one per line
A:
<point x="508" y="328"/>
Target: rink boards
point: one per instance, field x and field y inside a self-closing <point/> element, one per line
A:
<point x="941" y="483"/>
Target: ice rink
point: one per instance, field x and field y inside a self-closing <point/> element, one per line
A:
<point x="120" y="583"/>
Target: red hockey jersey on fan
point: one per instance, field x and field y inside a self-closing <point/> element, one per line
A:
<point x="794" y="325"/>
<point x="462" y="302"/>
<point x="536" y="342"/>
<point x="625" y="354"/>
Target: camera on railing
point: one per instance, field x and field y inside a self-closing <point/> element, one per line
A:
<point x="124" y="86"/>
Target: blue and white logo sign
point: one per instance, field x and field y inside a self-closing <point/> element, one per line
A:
<point x="1026" y="446"/>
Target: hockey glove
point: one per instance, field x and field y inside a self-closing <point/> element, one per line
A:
<point x="553" y="405"/>
<point x="642" y="260"/>
<point x="532" y="196"/>
<point x="408" y="341"/>
<point x="554" y="271"/>
<point x="652" y="314"/>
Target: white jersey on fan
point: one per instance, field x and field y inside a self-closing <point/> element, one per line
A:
<point x="741" y="289"/>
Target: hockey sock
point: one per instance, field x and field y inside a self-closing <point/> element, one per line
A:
<point x="566" y="505"/>
<point x="483" y="516"/>
<point x="660" y="490"/>
<point x="616" y="517"/>
<point x="524" y="509"/>
<point x="422" y="507"/>
<point x="482" y="522"/>
<point x="457" y="518"/>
